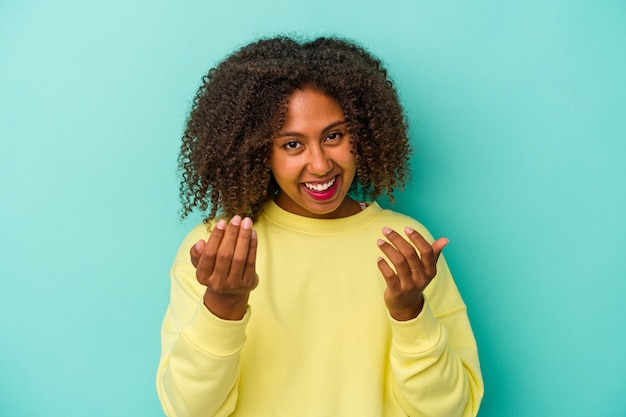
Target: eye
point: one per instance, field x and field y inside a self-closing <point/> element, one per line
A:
<point x="334" y="136"/>
<point x="291" y="145"/>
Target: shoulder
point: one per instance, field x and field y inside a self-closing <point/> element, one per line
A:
<point x="198" y="232"/>
<point x="398" y="221"/>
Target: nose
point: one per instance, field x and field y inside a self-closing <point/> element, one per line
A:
<point x="319" y="162"/>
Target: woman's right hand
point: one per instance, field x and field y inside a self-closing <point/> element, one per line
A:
<point x="225" y="265"/>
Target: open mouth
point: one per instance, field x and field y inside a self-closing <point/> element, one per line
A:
<point x="322" y="191"/>
<point x="320" y="188"/>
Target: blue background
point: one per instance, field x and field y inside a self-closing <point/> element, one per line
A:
<point x="517" y="112"/>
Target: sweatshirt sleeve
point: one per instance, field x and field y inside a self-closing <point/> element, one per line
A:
<point x="434" y="358"/>
<point x="198" y="372"/>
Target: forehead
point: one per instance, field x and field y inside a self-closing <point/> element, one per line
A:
<point x="310" y="108"/>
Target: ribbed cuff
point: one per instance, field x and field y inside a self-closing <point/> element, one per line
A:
<point x="215" y="335"/>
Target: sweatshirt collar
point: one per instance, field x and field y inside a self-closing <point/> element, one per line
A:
<point x="280" y="217"/>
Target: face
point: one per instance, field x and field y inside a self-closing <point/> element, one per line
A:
<point x="312" y="158"/>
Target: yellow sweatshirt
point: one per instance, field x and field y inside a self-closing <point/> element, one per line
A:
<point x="317" y="339"/>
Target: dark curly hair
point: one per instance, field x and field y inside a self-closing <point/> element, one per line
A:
<point x="242" y="103"/>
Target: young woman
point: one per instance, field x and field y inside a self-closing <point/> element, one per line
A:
<point x="299" y="295"/>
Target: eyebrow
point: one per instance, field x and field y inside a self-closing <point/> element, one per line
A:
<point x="326" y="129"/>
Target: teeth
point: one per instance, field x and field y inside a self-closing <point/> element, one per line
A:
<point x="320" y="187"/>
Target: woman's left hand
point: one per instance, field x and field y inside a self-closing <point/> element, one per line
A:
<point x="414" y="269"/>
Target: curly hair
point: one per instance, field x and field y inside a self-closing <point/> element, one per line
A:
<point x="242" y="104"/>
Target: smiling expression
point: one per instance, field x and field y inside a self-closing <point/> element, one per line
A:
<point x="312" y="159"/>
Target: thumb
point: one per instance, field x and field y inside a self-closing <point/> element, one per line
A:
<point x="196" y="251"/>
<point x="438" y="246"/>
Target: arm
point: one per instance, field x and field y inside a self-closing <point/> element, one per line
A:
<point x="199" y="368"/>
<point x="434" y="359"/>
<point x="435" y="365"/>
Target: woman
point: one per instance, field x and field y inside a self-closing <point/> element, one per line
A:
<point x="299" y="295"/>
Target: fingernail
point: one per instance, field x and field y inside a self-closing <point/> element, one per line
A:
<point x="253" y="234"/>
<point x="386" y="230"/>
<point x="408" y="230"/>
<point x="235" y="221"/>
<point x="221" y="225"/>
<point x="246" y="223"/>
<point x="198" y="246"/>
<point x="380" y="242"/>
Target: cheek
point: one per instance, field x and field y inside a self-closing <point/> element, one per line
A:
<point x="277" y="165"/>
<point x="352" y="170"/>
<point x="283" y="169"/>
<point x="349" y="162"/>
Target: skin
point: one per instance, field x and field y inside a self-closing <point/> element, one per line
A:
<point x="312" y="148"/>
<point x="412" y="270"/>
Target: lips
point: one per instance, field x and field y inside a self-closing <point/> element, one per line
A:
<point x="320" y="187"/>
<point x="322" y="190"/>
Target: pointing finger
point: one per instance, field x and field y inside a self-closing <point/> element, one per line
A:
<point x="206" y="263"/>
<point x="393" y="282"/>
<point x="242" y="245"/>
<point x="227" y="247"/>
<point x="429" y="254"/>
